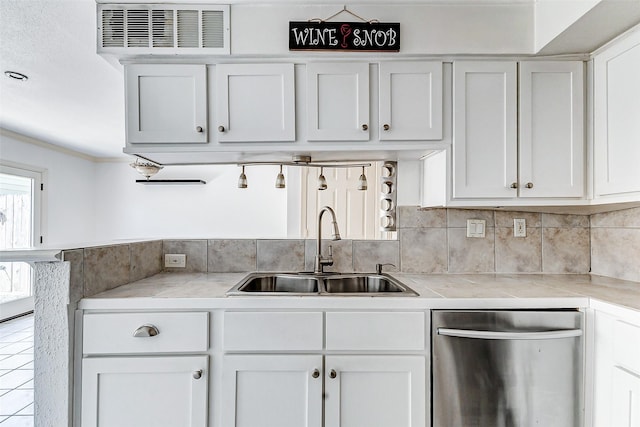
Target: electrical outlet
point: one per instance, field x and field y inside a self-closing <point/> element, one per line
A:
<point x="175" y="260"/>
<point x="519" y="227"/>
<point x="476" y="227"/>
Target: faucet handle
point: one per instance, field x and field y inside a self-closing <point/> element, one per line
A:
<point x="379" y="267"/>
<point x="330" y="251"/>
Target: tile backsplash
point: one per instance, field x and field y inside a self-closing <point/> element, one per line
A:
<point x="429" y="241"/>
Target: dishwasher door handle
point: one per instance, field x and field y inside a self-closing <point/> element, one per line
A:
<point x="496" y="335"/>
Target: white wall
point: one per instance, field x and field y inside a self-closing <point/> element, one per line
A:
<point x="552" y="17"/>
<point x="68" y="215"/>
<point x="127" y="210"/>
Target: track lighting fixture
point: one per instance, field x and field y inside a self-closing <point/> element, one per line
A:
<point x="242" y="180"/>
<point x="362" y="181"/>
<point x="280" y="179"/>
<point x="322" y="181"/>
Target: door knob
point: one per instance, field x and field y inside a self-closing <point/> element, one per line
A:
<point x="316" y="373"/>
<point x="386" y="127"/>
<point x="365" y="127"/>
<point x="514" y="185"/>
<point x="220" y="128"/>
<point x="333" y="373"/>
<point x="197" y="374"/>
<point x="199" y="129"/>
<point x="529" y="185"/>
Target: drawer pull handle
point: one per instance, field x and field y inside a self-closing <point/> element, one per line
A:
<point x="197" y="374"/>
<point x="333" y="373"/>
<point x="146" y="331"/>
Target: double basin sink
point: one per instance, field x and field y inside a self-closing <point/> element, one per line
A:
<point x="312" y="284"/>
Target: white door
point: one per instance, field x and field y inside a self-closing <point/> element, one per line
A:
<point x="357" y="211"/>
<point x="272" y="391"/>
<point x="338" y="101"/>
<point x="551" y="146"/>
<point x="375" y="391"/>
<point x="145" y="391"/>
<point x="616" y="113"/>
<point x="410" y="100"/>
<point x="166" y="103"/>
<point x="255" y="102"/>
<point x="484" y="129"/>
<point x="625" y="398"/>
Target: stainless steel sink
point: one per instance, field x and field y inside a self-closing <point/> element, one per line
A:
<point x="334" y="284"/>
<point x="277" y="283"/>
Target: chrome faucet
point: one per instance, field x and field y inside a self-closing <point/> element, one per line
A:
<point x="320" y="262"/>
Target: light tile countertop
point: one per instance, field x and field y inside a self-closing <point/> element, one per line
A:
<point x="435" y="291"/>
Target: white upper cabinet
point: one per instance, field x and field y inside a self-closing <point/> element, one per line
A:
<point x="484" y="129"/>
<point x="617" y="119"/>
<point x="255" y="102"/>
<point x="543" y="157"/>
<point x="410" y="101"/>
<point x="551" y="147"/>
<point x="166" y="103"/>
<point x="338" y="101"/>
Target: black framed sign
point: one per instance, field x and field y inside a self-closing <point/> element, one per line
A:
<point x="347" y="36"/>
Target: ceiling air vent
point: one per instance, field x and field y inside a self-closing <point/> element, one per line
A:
<point x="138" y="29"/>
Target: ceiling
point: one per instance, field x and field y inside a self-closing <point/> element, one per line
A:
<point x="74" y="98"/>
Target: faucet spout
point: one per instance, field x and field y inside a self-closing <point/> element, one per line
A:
<point x="320" y="262"/>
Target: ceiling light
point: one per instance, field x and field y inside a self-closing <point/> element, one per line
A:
<point x="362" y="181"/>
<point x="16" y="75"/>
<point x="242" y="180"/>
<point x="280" y="179"/>
<point x="322" y="181"/>
<point x="146" y="169"/>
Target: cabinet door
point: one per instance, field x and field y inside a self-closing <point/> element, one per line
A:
<point x="255" y="102"/>
<point x="144" y="391"/>
<point x="551" y="150"/>
<point x="375" y="391"/>
<point x="625" y="398"/>
<point x="410" y="100"/>
<point x="338" y="102"/>
<point x="616" y="113"/>
<point x="484" y="129"/>
<point x="166" y="103"/>
<point x="272" y="391"/>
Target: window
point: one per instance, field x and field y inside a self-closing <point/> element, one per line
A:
<point x="20" y="206"/>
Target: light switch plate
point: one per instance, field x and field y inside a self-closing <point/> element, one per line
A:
<point x="519" y="227"/>
<point x="175" y="260"/>
<point x="476" y="227"/>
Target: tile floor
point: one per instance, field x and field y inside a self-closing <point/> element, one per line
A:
<point x="16" y="372"/>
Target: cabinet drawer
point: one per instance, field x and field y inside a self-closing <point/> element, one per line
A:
<point x="375" y="331"/>
<point x="626" y="345"/>
<point x="113" y="333"/>
<point x="277" y="331"/>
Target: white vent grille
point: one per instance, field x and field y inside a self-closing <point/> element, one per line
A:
<point x="212" y="29"/>
<point x="163" y="28"/>
<point x="188" y="28"/>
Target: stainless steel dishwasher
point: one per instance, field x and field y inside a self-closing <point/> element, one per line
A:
<point x="507" y="368"/>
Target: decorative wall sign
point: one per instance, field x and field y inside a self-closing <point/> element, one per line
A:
<point x="347" y="36"/>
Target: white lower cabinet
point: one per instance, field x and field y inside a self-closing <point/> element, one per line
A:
<point x="286" y="391"/>
<point x="625" y="398"/>
<point x="145" y="391"/>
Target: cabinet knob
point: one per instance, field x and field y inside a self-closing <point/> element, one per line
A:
<point x="529" y="185"/>
<point x="514" y="185"/>
<point x="386" y="127"/>
<point x="316" y="373"/>
<point x="146" y="331"/>
<point x="220" y="128"/>
<point x="197" y="374"/>
<point x="199" y="129"/>
<point x="365" y="127"/>
<point x="333" y="373"/>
